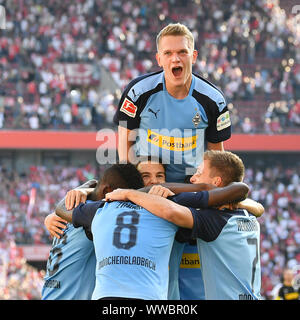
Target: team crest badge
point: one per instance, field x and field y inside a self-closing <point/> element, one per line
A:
<point x="196" y="119"/>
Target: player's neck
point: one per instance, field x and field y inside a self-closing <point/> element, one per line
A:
<point x="179" y="92"/>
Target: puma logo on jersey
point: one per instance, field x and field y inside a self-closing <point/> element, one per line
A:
<point x="135" y="95"/>
<point x="155" y="113"/>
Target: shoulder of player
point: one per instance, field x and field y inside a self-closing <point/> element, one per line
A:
<point x="143" y="85"/>
<point x="205" y="90"/>
<point x="90" y="206"/>
<point x="222" y="215"/>
<point x="210" y="222"/>
<point x="80" y="235"/>
<point x="234" y="213"/>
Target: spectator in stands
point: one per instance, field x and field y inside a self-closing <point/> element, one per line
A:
<point x="18" y="280"/>
<point x="287" y="291"/>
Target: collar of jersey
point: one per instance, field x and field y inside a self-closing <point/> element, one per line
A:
<point x="190" y="91"/>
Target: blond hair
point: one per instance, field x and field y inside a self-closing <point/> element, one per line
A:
<point x="176" y="29"/>
<point x="225" y="164"/>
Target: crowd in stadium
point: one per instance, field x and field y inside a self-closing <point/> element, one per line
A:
<point x="18" y="279"/>
<point x="239" y="43"/>
<point x="277" y="188"/>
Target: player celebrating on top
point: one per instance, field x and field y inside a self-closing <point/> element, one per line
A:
<point x="172" y="114"/>
<point x="175" y="110"/>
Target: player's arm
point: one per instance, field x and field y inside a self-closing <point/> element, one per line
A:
<point x="55" y="225"/>
<point x="177" y="213"/>
<point x="195" y="200"/>
<point x="81" y="216"/>
<point x="125" y="143"/>
<point x="89" y="184"/>
<point x="79" y="194"/>
<point x="62" y="211"/>
<point x="76" y="196"/>
<point x="157" y="205"/>
<point x="233" y="193"/>
<point x="176" y="187"/>
<point x="252" y="206"/>
<point x="215" y="146"/>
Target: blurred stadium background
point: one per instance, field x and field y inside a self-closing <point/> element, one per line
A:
<point x="63" y="66"/>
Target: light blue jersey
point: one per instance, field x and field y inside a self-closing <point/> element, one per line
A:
<point x="70" y="273"/>
<point x="174" y="129"/>
<point x="132" y="249"/>
<point x="229" y="247"/>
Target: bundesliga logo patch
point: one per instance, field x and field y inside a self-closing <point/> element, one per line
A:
<point x="223" y="121"/>
<point x="129" y="108"/>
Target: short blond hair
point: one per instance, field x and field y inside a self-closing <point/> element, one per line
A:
<point x="176" y="29"/>
<point x="226" y="164"/>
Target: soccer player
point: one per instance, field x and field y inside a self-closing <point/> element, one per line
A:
<point x="287" y="291"/>
<point x="171" y="114"/>
<point x="72" y="255"/>
<point x="152" y="170"/>
<point x="72" y="250"/>
<point x="132" y="246"/>
<point x="228" y="239"/>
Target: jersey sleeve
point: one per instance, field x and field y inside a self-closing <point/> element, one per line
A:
<point x="130" y="106"/>
<point x="84" y="213"/>
<point x="208" y="224"/>
<point x="219" y="124"/>
<point x="183" y="235"/>
<point x="135" y="98"/>
<point x="127" y="114"/>
<point x="192" y="199"/>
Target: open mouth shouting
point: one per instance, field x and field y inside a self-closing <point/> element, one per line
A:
<point x="177" y="71"/>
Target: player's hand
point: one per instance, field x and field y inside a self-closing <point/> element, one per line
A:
<point x="74" y="198"/>
<point x="117" y="195"/>
<point x="55" y="225"/>
<point x="252" y="206"/>
<point x="161" y="191"/>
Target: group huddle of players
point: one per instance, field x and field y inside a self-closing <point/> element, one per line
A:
<point x="117" y="244"/>
<point x="126" y="242"/>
